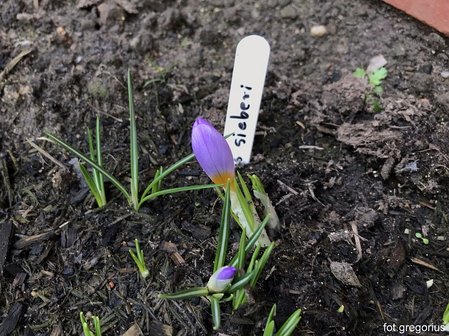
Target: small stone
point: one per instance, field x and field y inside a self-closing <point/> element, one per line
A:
<point x="344" y="273"/>
<point x="437" y="40"/>
<point x="426" y="68"/>
<point x="397" y="292"/>
<point x="443" y="99"/>
<point x="445" y="74"/>
<point x="375" y="63"/>
<point x="318" y="31"/>
<point x="289" y="12"/>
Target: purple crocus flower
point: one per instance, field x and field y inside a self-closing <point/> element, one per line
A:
<point x="221" y="279"/>
<point x="212" y="152"/>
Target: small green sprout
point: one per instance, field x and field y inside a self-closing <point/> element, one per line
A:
<point x="423" y="239"/>
<point x="287" y="328"/>
<point x="95" y="182"/>
<point x="132" y="195"/>
<point x="139" y="259"/>
<point x="261" y="194"/>
<point x="341" y="309"/>
<point x="446" y="317"/>
<point x="375" y="79"/>
<point x="86" y="328"/>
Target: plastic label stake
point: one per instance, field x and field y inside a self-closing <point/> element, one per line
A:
<point x="248" y="78"/>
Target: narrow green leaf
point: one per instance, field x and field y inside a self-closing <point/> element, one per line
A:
<point x="92" y="186"/>
<point x="90" y="143"/>
<point x="247" y="212"/>
<point x="139" y="260"/>
<point x="240" y="294"/>
<point x="114" y="181"/>
<point x="446" y="315"/>
<point x="223" y="234"/>
<point x="253" y="259"/>
<point x="216" y="314"/>
<point x="97" y="325"/>
<point x="176" y="190"/>
<point x="166" y="172"/>
<point x="270" y="318"/>
<point x="242" y="251"/>
<point x="241" y="282"/>
<point x="289" y="326"/>
<point x="269" y="329"/>
<point x="245" y="189"/>
<point x="186" y="294"/>
<point x="95" y="172"/>
<point x="133" y="146"/>
<point x="239" y="299"/>
<point x="251" y="241"/>
<point x="84" y="324"/>
<point x="257" y="184"/>
<point x="100" y="177"/>
<point x="260" y="264"/>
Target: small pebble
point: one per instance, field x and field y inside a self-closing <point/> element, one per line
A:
<point x="445" y="74"/>
<point x="318" y="31"/>
<point x="426" y="68"/>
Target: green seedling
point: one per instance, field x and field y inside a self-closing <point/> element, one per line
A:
<point x="233" y="287"/>
<point x="375" y="79"/>
<point x="423" y="239"/>
<point x="287" y="328"/>
<point x="95" y="181"/>
<point x="132" y="195"/>
<point x="262" y="196"/>
<point x="446" y="316"/>
<point x="86" y="328"/>
<point x="139" y="259"/>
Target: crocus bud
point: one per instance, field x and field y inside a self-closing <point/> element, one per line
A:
<point x="212" y="152"/>
<point x="221" y="279"/>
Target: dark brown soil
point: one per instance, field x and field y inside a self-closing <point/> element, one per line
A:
<point x="330" y="164"/>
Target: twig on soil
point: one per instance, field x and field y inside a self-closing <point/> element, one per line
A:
<point x="289" y="189"/>
<point x="358" y="245"/>
<point x="5" y="181"/>
<point x="11" y="64"/>
<point x="104" y="113"/>
<point x="47" y="155"/>
<point x="310" y="147"/>
<point x="312" y="194"/>
<point x="425" y="264"/>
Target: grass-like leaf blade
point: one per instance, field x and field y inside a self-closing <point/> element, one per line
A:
<point x="186" y="294"/>
<point x="176" y="190"/>
<point x="163" y="174"/>
<point x="260" y="264"/>
<point x="251" y="241"/>
<point x="133" y="146"/>
<point x="92" y="186"/>
<point x="223" y="235"/>
<point x="216" y="314"/>
<point x="289" y="326"/>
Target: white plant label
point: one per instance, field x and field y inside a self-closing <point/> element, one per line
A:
<point x="248" y="78"/>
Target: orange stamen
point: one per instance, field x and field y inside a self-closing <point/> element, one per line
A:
<point x="223" y="179"/>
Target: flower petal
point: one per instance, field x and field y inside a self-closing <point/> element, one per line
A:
<point x="212" y="152"/>
<point x="226" y="273"/>
<point x="221" y="279"/>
